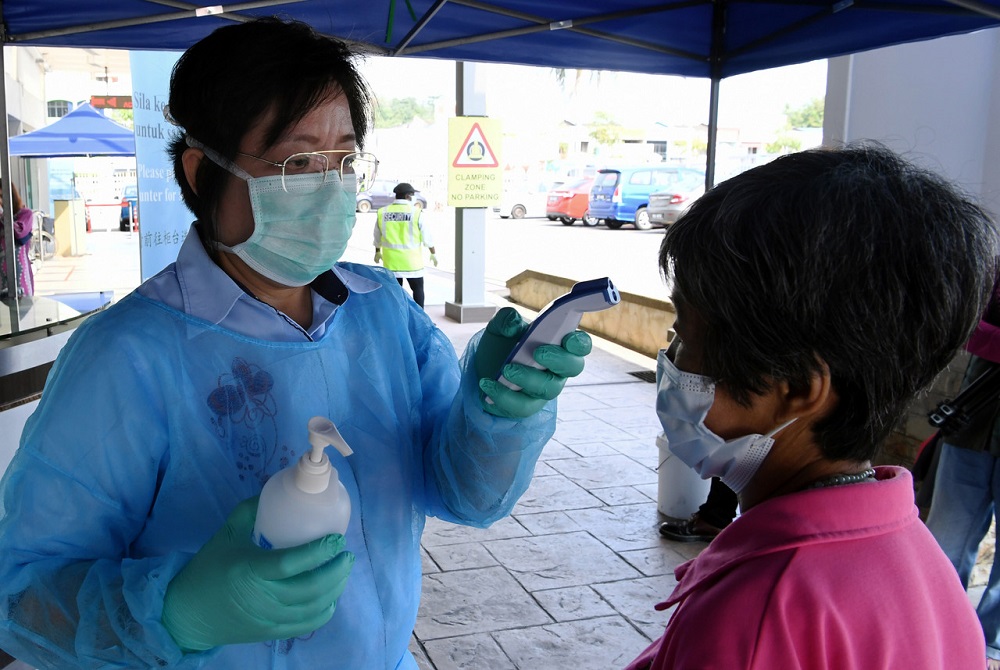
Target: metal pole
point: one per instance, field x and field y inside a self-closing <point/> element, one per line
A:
<point x="9" y="255"/>
<point x="713" y="133"/>
<point x="715" y="71"/>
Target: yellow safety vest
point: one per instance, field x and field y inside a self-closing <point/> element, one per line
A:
<point x="402" y="240"/>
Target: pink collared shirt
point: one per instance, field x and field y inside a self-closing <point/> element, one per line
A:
<point x="839" y="578"/>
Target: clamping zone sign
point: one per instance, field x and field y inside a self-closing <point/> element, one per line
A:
<point x="475" y="178"/>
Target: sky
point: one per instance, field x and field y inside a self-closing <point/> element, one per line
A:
<point x="525" y="94"/>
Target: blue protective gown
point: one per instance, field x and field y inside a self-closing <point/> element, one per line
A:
<point x="153" y="425"/>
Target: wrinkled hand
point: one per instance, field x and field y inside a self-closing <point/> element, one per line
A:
<point x="378" y="256"/>
<point x="537" y="386"/>
<point x="233" y="591"/>
<point x="434" y="260"/>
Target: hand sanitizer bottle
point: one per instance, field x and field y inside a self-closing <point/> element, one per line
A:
<point x="305" y="501"/>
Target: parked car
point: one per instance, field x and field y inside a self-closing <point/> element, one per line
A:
<point x="522" y="199"/>
<point x="130" y="209"/>
<point x="570" y="202"/>
<point x="380" y="195"/>
<point x="621" y="195"/>
<point x="667" y="206"/>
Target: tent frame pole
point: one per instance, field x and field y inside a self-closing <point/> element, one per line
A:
<point x="718" y="37"/>
<point x="10" y="256"/>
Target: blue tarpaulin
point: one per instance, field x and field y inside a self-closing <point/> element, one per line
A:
<point x="701" y="38"/>
<point x="83" y="132"/>
<point x="696" y="38"/>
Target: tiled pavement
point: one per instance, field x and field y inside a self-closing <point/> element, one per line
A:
<point x="571" y="577"/>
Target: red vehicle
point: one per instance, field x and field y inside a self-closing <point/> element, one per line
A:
<point x="569" y="203"/>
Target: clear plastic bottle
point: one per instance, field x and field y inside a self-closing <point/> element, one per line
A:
<point x="305" y="501"/>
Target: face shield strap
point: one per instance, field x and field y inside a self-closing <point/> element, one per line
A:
<point x="218" y="159"/>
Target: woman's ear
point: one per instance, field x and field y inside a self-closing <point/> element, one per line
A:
<point x="191" y="160"/>
<point x="812" y="401"/>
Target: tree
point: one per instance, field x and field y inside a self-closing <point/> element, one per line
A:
<point x="605" y="130"/>
<point x="562" y="77"/>
<point x="809" y="115"/>
<point x="124" y="117"/>
<point x="783" y="144"/>
<point x="400" y="111"/>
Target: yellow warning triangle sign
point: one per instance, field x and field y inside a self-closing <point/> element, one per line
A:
<point x="475" y="151"/>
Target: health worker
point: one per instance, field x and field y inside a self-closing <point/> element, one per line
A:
<point x="125" y="535"/>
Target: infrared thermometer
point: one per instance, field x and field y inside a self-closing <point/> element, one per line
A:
<point x="559" y="318"/>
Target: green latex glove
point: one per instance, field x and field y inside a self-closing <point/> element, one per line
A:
<point x="537" y="386"/>
<point x="233" y="591"/>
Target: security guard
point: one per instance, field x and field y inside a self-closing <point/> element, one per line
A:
<point x="400" y="233"/>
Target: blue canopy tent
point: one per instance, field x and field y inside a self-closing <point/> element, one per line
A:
<point x="82" y="132"/>
<point x="703" y="38"/>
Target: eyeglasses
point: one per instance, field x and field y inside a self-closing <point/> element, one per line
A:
<point x="356" y="169"/>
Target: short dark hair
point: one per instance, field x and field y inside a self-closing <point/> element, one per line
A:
<point x="851" y="257"/>
<point x="226" y="82"/>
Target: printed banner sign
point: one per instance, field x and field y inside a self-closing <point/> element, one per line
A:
<point x="164" y="219"/>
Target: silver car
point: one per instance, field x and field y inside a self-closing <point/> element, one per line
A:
<point x="665" y="207"/>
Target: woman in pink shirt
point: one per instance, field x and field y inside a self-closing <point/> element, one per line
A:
<point x="816" y="296"/>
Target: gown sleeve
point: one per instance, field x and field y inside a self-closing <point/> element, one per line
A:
<point x="477" y="463"/>
<point x="78" y="488"/>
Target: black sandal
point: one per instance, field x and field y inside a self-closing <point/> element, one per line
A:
<point x="692" y="530"/>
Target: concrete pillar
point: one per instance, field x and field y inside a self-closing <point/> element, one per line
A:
<point x="470" y="304"/>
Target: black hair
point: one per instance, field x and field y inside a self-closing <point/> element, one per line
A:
<point x="851" y="257"/>
<point x="225" y="83"/>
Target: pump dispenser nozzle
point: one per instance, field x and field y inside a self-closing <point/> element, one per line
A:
<point x="323" y="432"/>
<point x="315" y="472"/>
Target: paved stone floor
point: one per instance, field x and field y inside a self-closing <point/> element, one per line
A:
<point x="571" y="577"/>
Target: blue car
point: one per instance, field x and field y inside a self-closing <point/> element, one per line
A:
<point x="130" y="209"/>
<point x="621" y="195"/>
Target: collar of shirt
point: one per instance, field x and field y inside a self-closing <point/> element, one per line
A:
<point x="203" y="290"/>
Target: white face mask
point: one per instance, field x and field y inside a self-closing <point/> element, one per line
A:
<point x="682" y="403"/>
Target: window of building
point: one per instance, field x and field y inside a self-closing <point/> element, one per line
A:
<point x="58" y="108"/>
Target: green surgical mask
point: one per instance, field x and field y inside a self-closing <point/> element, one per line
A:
<point x="302" y="224"/>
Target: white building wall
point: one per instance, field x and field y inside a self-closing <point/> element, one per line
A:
<point x="937" y="102"/>
<point x="24" y="84"/>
